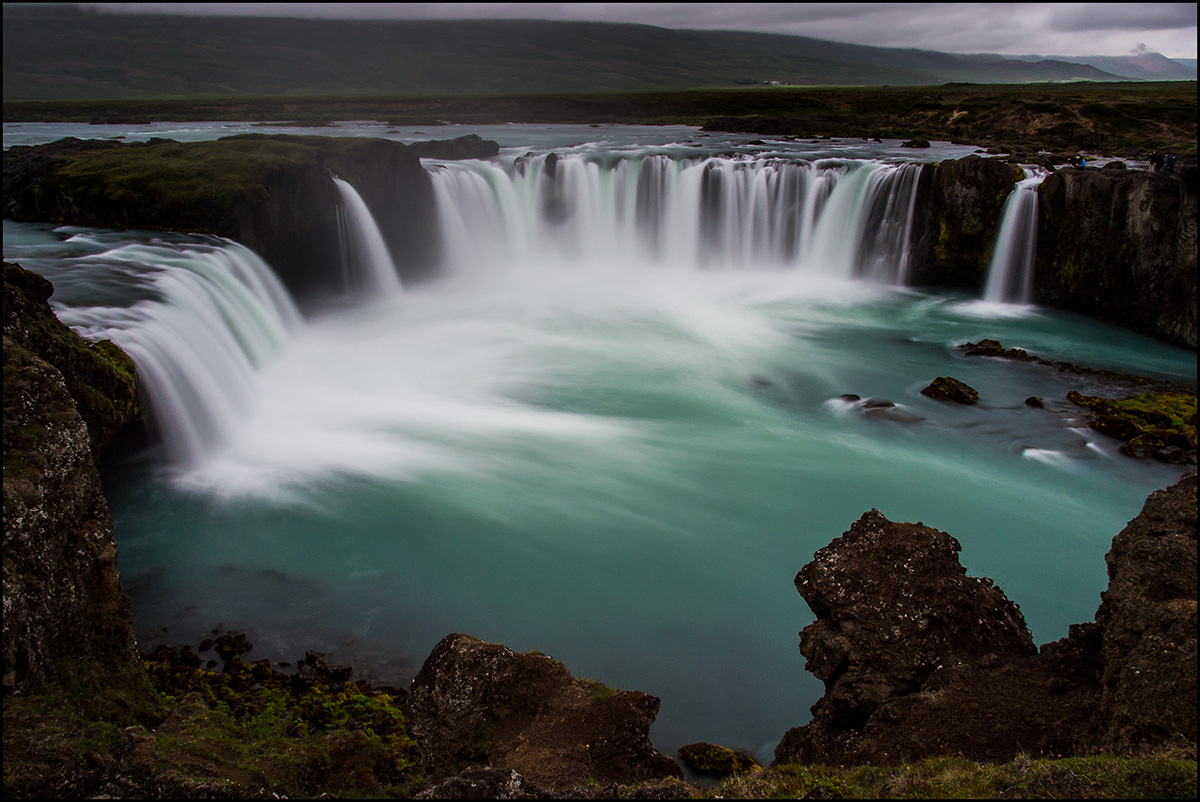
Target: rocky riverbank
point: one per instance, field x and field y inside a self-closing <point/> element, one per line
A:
<point x="919" y="660"/>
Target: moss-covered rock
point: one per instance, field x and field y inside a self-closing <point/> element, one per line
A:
<point x="71" y="675"/>
<point x="718" y="761"/>
<point x="100" y="377"/>
<point x="272" y="193"/>
<point x="1161" y="425"/>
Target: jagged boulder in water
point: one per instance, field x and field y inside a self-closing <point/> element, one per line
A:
<point x="481" y="703"/>
<point x="948" y="388"/>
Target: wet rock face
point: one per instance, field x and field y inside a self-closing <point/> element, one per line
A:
<point x="63" y="604"/>
<point x="481" y="703"/>
<point x="958" y="208"/>
<point x="1120" y="245"/>
<point x="1149" y="619"/>
<point x="892" y="605"/>
<point x="947" y="388"/>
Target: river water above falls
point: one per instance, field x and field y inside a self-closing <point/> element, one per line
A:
<point x="612" y="442"/>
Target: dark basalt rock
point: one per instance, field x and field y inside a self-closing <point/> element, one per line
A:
<point x="272" y="193"/>
<point x="893" y="606"/>
<point x="958" y="208"/>
<point x="476" y="702"/>
<point x="63" y="605"/>
<point x="1148" y="615"/>
<point x="471" y="146"/>
<point x="946" y="388"/>
<point x="1120" y="245"/>
<point x="901" y="687"/>
<point x="100" y="377"/>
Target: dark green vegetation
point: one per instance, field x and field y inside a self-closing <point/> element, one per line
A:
<point x="222" y="733"/>
<point x="61" y="52"/>
<point x="191" y="186"/>
<point x="1113" y="118"/>
<point x="100" y="378"/>
<point x="1148" y="422"/>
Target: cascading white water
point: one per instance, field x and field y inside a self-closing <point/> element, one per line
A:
<point x="843" y="219"/>
<point x="618" y="464"/>
<point x="1010" y="274"/>
<point x="211" y="318"/>
<point x="365" y="250"/>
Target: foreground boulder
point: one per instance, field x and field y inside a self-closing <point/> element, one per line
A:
<point x="1148" y="615"/>
<point x="893" y="606"/>
<point x="481" y="703"/>
<point x="919" y="660"/>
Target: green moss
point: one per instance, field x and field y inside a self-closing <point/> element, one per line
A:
<point x="1163" y="418"/>
<point x="298" y="738"/>
<point x="598" y="692"/>
<point x="718" y="760"/>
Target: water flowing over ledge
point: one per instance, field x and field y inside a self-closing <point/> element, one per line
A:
<point x="618" y="398"/>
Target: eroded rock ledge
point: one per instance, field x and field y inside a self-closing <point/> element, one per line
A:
<point x="920" y="660"/>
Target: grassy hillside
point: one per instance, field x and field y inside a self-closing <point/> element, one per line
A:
<point x="60" y="52"/>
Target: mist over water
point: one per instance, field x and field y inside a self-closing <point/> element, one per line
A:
<point x="611" y="432"/>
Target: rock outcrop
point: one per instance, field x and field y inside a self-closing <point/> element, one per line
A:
<point x="271" y="193"/>
<point x="1148" y="616"/>
<point x="893" y="606"/>
<point x="1120" y="245"/>
<point x="481" y="703"/>
<point x="957" y="214"/>
<point x="919" y="660"/>
<point x="67" y="623"/>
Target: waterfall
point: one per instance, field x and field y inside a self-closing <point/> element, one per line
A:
<point x="1010" y="274"/>
<point x="206" y="318"/>
<point x="365" y="251"/>
<point x="847" y="219"/>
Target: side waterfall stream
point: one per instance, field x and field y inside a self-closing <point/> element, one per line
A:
<point x="612" y="431"/>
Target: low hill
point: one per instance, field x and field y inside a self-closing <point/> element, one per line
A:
<point x="64" y="52"/>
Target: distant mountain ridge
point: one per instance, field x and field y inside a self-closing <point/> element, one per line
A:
<point x="64" y="52"/>
<point x="1142" y="63"/>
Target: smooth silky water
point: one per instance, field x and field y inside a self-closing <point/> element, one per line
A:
<point x="611" y="440"/>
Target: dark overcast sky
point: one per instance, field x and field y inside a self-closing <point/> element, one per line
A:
<point x="1061" y="29"/>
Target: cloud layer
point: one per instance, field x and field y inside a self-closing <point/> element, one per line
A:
<point x="1063" y="29"/>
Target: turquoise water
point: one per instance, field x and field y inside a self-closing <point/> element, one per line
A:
<point x="625" y="471"/>
<point x="618" y="461"/>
